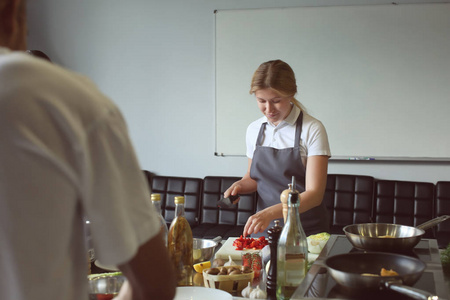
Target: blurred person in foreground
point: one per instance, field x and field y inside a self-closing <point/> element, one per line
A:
<point x="65" y="153"/>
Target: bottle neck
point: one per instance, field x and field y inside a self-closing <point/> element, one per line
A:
<point x="293" y="214"/>
<point x="179" y="210"/>
<point x="157" y="205"/>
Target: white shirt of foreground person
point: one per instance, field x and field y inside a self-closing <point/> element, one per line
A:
<point x="64" y="153"/>
<point x="313" y="140"/>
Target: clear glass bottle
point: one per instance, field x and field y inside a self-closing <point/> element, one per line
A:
<point x="156" y="201"/>
<point x="180" y="244"/>
<point x="292" y="250"/>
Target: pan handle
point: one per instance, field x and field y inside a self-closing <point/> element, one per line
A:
<point x="410" y="291"/>
<point x="217" y="239"/>
<point x="433" y="222"/>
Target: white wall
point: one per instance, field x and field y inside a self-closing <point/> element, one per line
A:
<point x="155" y="59"/>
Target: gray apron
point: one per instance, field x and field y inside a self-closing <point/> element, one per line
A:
<point x="273" y="169"/>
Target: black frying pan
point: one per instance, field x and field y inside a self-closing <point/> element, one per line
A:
<point x="346" y="270"/>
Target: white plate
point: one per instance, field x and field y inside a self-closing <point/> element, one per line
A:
<point x="105" y="267"/>
<point x="200" y="293"/>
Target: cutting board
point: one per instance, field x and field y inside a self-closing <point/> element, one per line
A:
<point x="228" y="249"/>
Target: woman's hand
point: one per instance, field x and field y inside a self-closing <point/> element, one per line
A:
<point x="233" y="190"/>
<point x="261" y="220"/>
<point x="256" y="223"/>
<point x="244" y="186"/>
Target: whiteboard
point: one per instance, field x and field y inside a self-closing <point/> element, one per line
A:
<point x="377" y="76"/>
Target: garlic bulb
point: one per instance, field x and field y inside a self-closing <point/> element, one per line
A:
<point x="230" y="262"/>
<point x="258" y="294"/>
<point x="246" y="292"/>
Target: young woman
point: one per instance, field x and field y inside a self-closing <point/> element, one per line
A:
<point x="285" y="142"/>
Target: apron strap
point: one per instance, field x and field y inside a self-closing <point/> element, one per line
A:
<point x="298" y="130"/>
<point x="261" y="134"/>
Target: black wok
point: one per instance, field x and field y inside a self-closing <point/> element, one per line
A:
<point x="346" y="270"/>
<point x="388" y="237"/>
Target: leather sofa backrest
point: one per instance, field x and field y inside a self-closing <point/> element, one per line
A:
<point x="224" y="222"/>
<point x="170" y="187"/>
<point x="443" y="208"/>
<point x="405" y="203"/>
<point x="348" y="199"/>
<point x="213" y="189"/>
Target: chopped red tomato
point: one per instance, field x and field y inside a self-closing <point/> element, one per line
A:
<point x="242" y="243"/>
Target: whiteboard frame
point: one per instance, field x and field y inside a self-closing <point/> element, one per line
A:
<point x="233" y="116"/>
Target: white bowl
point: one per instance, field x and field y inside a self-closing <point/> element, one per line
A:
<point x="105" y="267"/>
<point x="200" y="293"/>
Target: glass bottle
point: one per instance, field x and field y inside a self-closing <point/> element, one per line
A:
<point x="292" y="250"/>
<point x="180" y="244"/>
<point x="156" y="200"/>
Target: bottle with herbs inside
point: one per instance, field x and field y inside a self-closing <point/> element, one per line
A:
<point x="180" y="243"/>
<point x="156" y="200"/>
<point x="292" y="250"/>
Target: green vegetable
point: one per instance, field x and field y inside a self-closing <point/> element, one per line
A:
<point x="317" y="241"/>
<point x="310" y="263"/>
<point x="323" y="236"/>
<point x="92" y="276"/>
<point x="445" y="259"/>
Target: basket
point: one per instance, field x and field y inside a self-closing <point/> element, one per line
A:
<point x="228" y="283"/>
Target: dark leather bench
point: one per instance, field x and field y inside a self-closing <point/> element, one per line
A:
<point x="350" y="199"/>
<point x="442" y="207"/>
<point x="404" y="202"/>
<point x="170" y="187"/>
<point x="224" y="222"/>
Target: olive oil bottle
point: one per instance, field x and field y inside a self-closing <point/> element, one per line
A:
<point x="292" y="250"/>
<point x="156" y="201"/>
<point x="180" y="245"/>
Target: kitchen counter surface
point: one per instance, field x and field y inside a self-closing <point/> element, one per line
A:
<point x="318" y="285"/>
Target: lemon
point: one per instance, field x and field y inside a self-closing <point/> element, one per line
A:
<point x="202" y="266"/>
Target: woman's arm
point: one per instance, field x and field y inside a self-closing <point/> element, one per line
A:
<point x="315" y="182"/>
<point x="244" y="186"/>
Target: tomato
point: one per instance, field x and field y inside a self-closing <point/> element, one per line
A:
<point x="247" y="260"/>
<point x="242" y="243"/>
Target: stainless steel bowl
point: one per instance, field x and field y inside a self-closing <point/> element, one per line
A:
<point x="203" y="249"/>
<point x="105" y="285"/>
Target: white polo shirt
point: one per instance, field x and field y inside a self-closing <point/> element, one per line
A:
<point x="313" y="140"/>
<point x="65" y="153"/>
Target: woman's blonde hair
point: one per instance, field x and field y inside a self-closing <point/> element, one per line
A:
<point x="278" y="76"/>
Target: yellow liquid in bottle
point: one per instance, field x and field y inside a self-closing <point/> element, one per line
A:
<point x="180" y="245"/>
